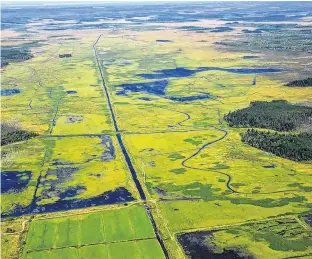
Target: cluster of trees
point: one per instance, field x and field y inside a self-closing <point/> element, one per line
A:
<point x="17" y="136"/>
<point x="18" y="53"/>
<point x="276" y="115"/>
<point x="296" y="147"/>
<point x="9" y="53"/>
<point x="11" y="134"/>
<point x="301" y="83"/>
<point x="65" y="55"/>
<point x="4" y="63"/>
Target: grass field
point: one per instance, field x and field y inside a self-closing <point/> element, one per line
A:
<point x="110" y="233"/>
<point x="128" y="223"/>
<point x="131" y="250"/>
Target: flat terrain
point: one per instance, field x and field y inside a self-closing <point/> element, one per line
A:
<point x="145" y="131"/>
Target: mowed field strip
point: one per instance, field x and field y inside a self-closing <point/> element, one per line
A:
<point x="99" y="230"/>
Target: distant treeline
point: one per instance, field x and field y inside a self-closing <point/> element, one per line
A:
<point x="11" y="53"/>
<point x="301" y="83"/>
<point x="296" y="147"/>
<point x="11" y="134"/>
<point x="277" y="115"/>
<point x="17" y="53"/>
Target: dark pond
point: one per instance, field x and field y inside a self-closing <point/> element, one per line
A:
<point x="163" y="40"/>
<point x="109" y="153"/>
<point x="193" y="28"/>
<point x="120" y="195"/>
<point x="71" y="92"/>
<point x="8" y="92"/>
<point x="195" y="247"/>
<point x="72" y="191"/>
<point x="268" y="166"/>
<point x="222" y="29"/>
<point x="250" y="57"/>
<point x="14" y="181"/>
<point x="145" y="98"/>
<point x="184" y="72"/>
<point x="308" y="219"/>
<point x="156" y="87"/>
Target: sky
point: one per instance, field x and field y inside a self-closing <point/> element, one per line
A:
<point x="54" y="1"/>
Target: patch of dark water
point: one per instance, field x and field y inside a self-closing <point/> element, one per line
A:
<point x="120" y="195"/>
<point x="308" y="219"/>
<point x="163" y="40"/>
<point x="52" y="182"/>
<point x="196" y="247"/>
<point x="14" y="181"/>
<point x="125" y="63"/>
<point x="250" y="57"/>
<point x="156" y="87"/>
<point x="107" y="63"/>
<point x="144" y="98"/>
<point x="109" y="153"/>
<point x="222" y="29"/>
<point x="8" y="92"/>
<point x="71" y="92"/>
<point x="72" y="191"/>
<point x="184" y="72"/>
<point x="74" y="118"/>
<point x="268" y="166"/>
<point x="176" y="72"/>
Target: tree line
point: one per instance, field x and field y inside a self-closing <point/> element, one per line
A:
<point x="276" y="115"/>
<point x="297" y="147"/>
<point x="300" y="83"/>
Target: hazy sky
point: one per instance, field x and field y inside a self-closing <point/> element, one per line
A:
<point x="51" y="1"/>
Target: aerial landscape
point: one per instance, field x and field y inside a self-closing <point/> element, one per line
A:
<point x="156" y="130"/>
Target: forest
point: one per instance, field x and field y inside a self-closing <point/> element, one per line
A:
<point x="300" y="83"/>
<point x="277" y="115"/>
<point x="297" y="147"/>
<point x="11" y="134"/>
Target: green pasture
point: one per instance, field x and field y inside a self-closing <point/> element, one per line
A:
<point x="129" y="223"/>
<point x="147" y="249"/>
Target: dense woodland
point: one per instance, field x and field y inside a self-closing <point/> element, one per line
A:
<point x="276" y="115"/>
<point x="296" y="147"/>
<point x="17" y="53"/>
<point x="301" y="83"/>
<point x="11" y="134"/>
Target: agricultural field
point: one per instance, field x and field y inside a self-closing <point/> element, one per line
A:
<point x="109" y="233"/>
<point x="156" y="130"/>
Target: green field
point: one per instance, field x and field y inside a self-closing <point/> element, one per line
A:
<point x="129" y="223"/>
<point x="131" y="250"/>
